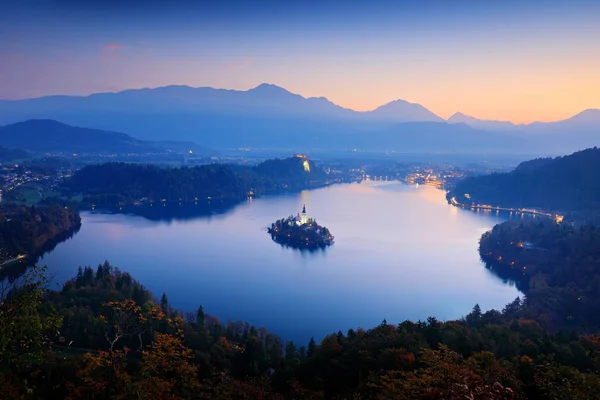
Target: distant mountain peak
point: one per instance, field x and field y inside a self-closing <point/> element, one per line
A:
<point x="403" y="110"/>
<point x="458" y="117"/>
<point x="589" y="115"/>
<point x="269" y="88"/>
<point x="458" y="114"/>
<point x="45" y="122"/>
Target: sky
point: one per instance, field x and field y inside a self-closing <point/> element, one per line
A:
<point x="515" y="60"/>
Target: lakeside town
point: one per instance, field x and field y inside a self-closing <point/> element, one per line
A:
<point x="19" y="182"/>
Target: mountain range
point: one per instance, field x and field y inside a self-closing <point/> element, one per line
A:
<point x="269" y="116"/>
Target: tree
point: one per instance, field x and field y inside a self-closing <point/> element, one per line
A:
<point x="290" y="351"/>
<point x="164" y="303"/>
<point x="79" y="277"/>
<point x="167" y="369"/>
<point x="128" y="320"/>
<point x="200" y="318"/>
<point x="24" y="331"/>
<point x="474" y="317"/>
<point x="311" y="347"/>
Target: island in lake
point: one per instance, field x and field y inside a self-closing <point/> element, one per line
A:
<point x="300" y="232"/>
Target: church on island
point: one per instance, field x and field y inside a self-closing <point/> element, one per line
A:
<point x="300" y="219"/>
<point x="300" y="231"/>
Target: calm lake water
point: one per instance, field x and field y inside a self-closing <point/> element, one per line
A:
<point x="401" y="252"/>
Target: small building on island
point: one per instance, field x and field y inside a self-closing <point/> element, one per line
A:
<point x="300" y="219"/>
<point x="300" y="231"/>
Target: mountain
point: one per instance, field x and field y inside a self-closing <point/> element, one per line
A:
<point x="49" y="136"/>
<point x="266" y="116"/>
<point x="578" y="132"/>
<point x="492" y="126"/>
<point x="261" y="100"/>
<point x="587" y="121"/>
<point x="403" y="111"/>
<point x="566" y="183"/>
<point x="7" y="154"/>
<point x="272" y="118"/>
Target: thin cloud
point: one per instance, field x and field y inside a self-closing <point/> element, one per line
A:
<point x="113" y="46"/>
<point x="110" y="51"/>
<point x="237" y="65"/>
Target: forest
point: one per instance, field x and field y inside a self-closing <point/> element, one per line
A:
<point x="104" y="336"/>
<point x="24" y="230"/>
<point x="566" y="183"/>
<point x="112" y="184"/>
<point x="555" y="265"/>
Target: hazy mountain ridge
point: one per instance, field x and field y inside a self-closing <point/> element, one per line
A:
<point x="489" y="125"/>
<point x="49" y="136"/>
<point x="589" y="118"/>
<point x="269" y="116"/>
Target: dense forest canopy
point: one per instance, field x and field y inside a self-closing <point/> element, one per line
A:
<point x="564" y="183"/>
<point x="556" y="265"/>
<point x="104" y="336"/>
<point x="24" y="230"/>
<point x="112" y="183"/>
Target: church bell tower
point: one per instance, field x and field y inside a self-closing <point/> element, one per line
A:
<point x="303" y="217"/>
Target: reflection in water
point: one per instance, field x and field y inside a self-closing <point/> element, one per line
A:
<point x="52" y="243"/>
<point x="303" y="250"/>
<point x="177" y="212"/>
<point x="509" y="277"/>
<point x="14" y="270"/>
<point x="401" y="253"/>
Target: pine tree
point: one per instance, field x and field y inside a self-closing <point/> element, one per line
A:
<point x="312" y="346"/>
<point x="164" y="303"/>
<point x="79" y="278"/>
<point x="200" y="318"/>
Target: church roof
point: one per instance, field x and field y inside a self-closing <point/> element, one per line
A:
<point x="304" y="209"/>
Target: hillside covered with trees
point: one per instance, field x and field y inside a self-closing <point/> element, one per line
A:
<point x="104" y="336"/>
<point x="566" y="183"/>
<point x="555" y="265"/>
<point x="113" y="183"/>
<point x="25" y="230"/>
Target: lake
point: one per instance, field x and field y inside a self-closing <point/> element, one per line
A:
<point x="401" y="252"/>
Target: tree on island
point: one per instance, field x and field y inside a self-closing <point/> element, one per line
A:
<point x="300" y="232"/>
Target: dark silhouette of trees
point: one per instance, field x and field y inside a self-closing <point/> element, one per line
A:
<point x="114" y="184"/>
<point x="566" y="183"/>
<point x="116" y="342"/>
<point x="25" y="230"/>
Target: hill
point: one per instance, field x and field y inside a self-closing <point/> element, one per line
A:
<point x="103" y="335"/>
<point x="113" y="184"/>
<point x="49" y="136"/>
<point x="7" y="154"/>
<point x="566" y="183"/>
